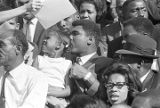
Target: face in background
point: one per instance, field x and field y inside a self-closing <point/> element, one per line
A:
<point x="88" y="11"/>
<point x="28" y="15"/>
<point x="10" y="24"/>
<point x="136" y="9"/>
<point x="52" y="44"/>
<point x="66" y="24"/>
<point x="79" y="40"/>
<point x="117" y="94"/>
<point x="7" y="52"/>
<point x="119" y="4"/>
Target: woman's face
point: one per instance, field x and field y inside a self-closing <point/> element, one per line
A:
<point x="88" y="11"/>
<point x="117" y="90"/>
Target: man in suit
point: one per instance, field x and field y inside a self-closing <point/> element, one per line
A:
<point x="89" y="67"/>
<point x="138" y="53"/>
<point x="31" y="26"/>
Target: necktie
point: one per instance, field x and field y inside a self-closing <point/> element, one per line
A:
<point x="26" y="30"/>
<point x="2" y="96"/>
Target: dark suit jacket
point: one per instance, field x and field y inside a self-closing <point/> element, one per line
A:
<point x="114" y="45"/>
<point x="96" y="65"/>
<point x="39" y="35"/>
<point x="149" y="98"/>
<point x="152" y="81"/>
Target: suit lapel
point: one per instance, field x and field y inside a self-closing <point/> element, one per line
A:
<point x="147" y="83"/>
<point x="38" y="31"/>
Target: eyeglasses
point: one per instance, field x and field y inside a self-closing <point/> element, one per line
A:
<point x="119" y="85"/>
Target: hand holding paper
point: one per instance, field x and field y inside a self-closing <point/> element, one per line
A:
<point x="53" y="11"/>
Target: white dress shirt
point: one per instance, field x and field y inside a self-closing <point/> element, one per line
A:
<point x="25" y="87"/>
<point x="85" y="58"/>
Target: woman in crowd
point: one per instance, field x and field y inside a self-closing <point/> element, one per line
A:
<point x="92" y="9"/>
<point x="121" y="84"/>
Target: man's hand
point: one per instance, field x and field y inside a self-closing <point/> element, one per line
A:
<point x="34" y="5"/>
<point x="78" y="72"/>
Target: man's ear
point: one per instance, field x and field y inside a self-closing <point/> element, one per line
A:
<point x="90" y="40"/>
<point x="18" y="49"/>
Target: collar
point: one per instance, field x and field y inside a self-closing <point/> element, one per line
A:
<point x="33" y="21"/>
<point x="144" y="77"/>
<point x="15" y="72"/>
<point x="85" y="58"/>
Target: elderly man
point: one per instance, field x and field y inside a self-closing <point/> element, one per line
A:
<point x="88" y="69"/>
<point x="138" y="53"/>
<point x="22" y="86"/>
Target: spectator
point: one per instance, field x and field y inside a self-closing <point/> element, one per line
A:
<point x="32" y="28"/>
<point x="139" y="54"/>
<point x="88" y="69"/>
<point x="121" y="84"/>
<point x="132" y="26"/>
<point x="95" y="10"/>
<point x="55" y="68"/>
<point x="92" y="9"/>
<point x="127" y="11"/>
<point x="23" y="86"/>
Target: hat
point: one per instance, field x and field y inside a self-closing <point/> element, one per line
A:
<point x="139" y="45"/>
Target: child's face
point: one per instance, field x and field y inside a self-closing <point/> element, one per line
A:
<point x="10" y="24"/>
<point x="51" y="44"/>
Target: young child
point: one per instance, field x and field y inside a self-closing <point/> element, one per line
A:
<point x="55" y="68"/>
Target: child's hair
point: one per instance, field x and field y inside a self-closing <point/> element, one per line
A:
<point x="59" y="34"/>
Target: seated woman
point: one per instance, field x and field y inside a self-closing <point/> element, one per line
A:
<point x="121" y="84"/>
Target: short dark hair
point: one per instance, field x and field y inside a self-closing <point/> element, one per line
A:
<point x="130" y="77"/>
<point x="92" y="29"/>
<point x="82" y="101"/>
<point x="18" y="38"/>
<point x="100" y="6"/>
<point x="141" y="24"/>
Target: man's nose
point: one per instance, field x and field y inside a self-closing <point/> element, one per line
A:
<point x="140" y="13"/>
<point x="114" y="88"/>
<point x="85" y="15"/>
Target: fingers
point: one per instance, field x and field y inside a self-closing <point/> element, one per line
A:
<point x="37" y="4"/>
<point x="34" y="5"/>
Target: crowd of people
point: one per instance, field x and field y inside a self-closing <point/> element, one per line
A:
<point x="106" y="55"/>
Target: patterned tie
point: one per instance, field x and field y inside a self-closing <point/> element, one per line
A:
<point x="2" y="96"/>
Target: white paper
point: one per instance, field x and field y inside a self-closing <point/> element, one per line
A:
<point x="54" y="11"/>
